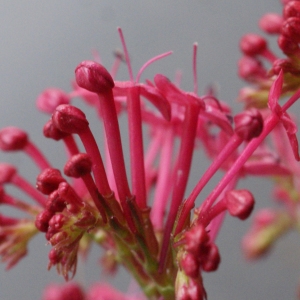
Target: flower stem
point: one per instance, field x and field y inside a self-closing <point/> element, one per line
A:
<point x="182" y="170"/>
<point x="136" y="146"/>
<point x="230" y="147"/>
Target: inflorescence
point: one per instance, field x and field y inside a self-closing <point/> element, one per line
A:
<point x="148" y="223"/>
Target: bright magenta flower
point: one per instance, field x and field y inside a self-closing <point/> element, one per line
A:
<point x="147" y="222"/>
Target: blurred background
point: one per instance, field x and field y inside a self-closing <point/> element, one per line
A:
<point x="41" y="44"/>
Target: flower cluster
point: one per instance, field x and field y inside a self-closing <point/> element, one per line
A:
<point x="148" y="223"/>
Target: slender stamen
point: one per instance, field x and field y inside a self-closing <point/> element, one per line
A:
<point x="163" y="185"/>
<point x="149" y="62"/>
<point x="230" y="147"/>
<point x="195" y="77"/>
<point x="136" y="146"/>
<point x="126" y="54"/>
<point x="182" y="170"/>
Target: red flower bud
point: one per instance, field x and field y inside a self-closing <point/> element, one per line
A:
<point x="248" y="124"/>
<point x="212" y="259"/>
<point x="50" y="99"/>
<point x="7" y="171"/>
<point x="72" y="291"/>
<point x="69" y="119"/>
<point x="195" y="238"/>
<point x="93" y="77"/>
<point x="193" y="290"/>
<point x="78" y="165"/>
<point x="292" y="9"/>
<point x="239" y="203"/>
<point x="190" y="265"/>
<point x="56" y="222"/>
<point x="42" y="220"/>
<point x="287" y="45"/>
<point x="252" y="44"/>
<point x="291" y="29"/>
<point x="55" y="203"/>
<point x="271" y="23"/>
<point x="67" y="193"/>
<point x="48" y="181"/>
<point x="56" y="238"/>
<point x="52" y="132"/>
<point x="286" y="65"/>
<point x="250" y="68"/>
<point x="12" y="139"/>
<point x="54" y="256"/>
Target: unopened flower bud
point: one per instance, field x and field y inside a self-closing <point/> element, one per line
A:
<point x="190" y="265"/>
<point x="48" y="181"/>
<point x="252" y="44"/>
<point x="42" y="220"/>
<point x="50" y="99"/>
<point x="212" y="259"/>
<point x="250" y="68"/>
<point x="78" y="165"/>
<point x="55" y="203"/>
<point x="271" y="23"/>
<point x="239" y="203"/>
<point x="286" y="65"/>
<point x="52" y="292"/>
<point x="12" y="139"/>
<point x="54" y="256"/>
<point x="72" y="291"/>
<point x="248" y="124"/>
<point x="56" y="222"/>
<point x="67" y="193"/>
<point x="52" y="132"/>
<point x="58" y="237"/>
<point x="291" y="29"/>
<point x="292" y="9"/>
<point x="93" y="77"/>
<point x="287" y="45"/>
<point x="264" y="218"/>
<point x="193" y="290"/>
<point x="69" y="119"/>
<point x="7" y="172"/>
<point x="195" y="238"/>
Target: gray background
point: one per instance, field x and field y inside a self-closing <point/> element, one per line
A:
<point x="41" y="44"/>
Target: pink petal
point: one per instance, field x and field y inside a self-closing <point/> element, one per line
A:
<point x="291" y="130"/>
<point x="157" y="99"/>
<point x="275" y="92"/>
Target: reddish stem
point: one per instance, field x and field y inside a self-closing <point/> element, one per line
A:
<point x="269" y="124"/>
<point x="230" y="147"/>
<point x="182" y="171"/>
<point x="92" y="150"/>
<point x="113" y="137"/>
<point x="35" y="154"/>
<point x="136" y="147"/>
<point x="90" y="185"/>
<point x="71" y="145"/>
<point x="9" y="200"/>
<point x="114" y="143"/>
<point x="28" y="189"/>
<point x="163" y="185"/>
